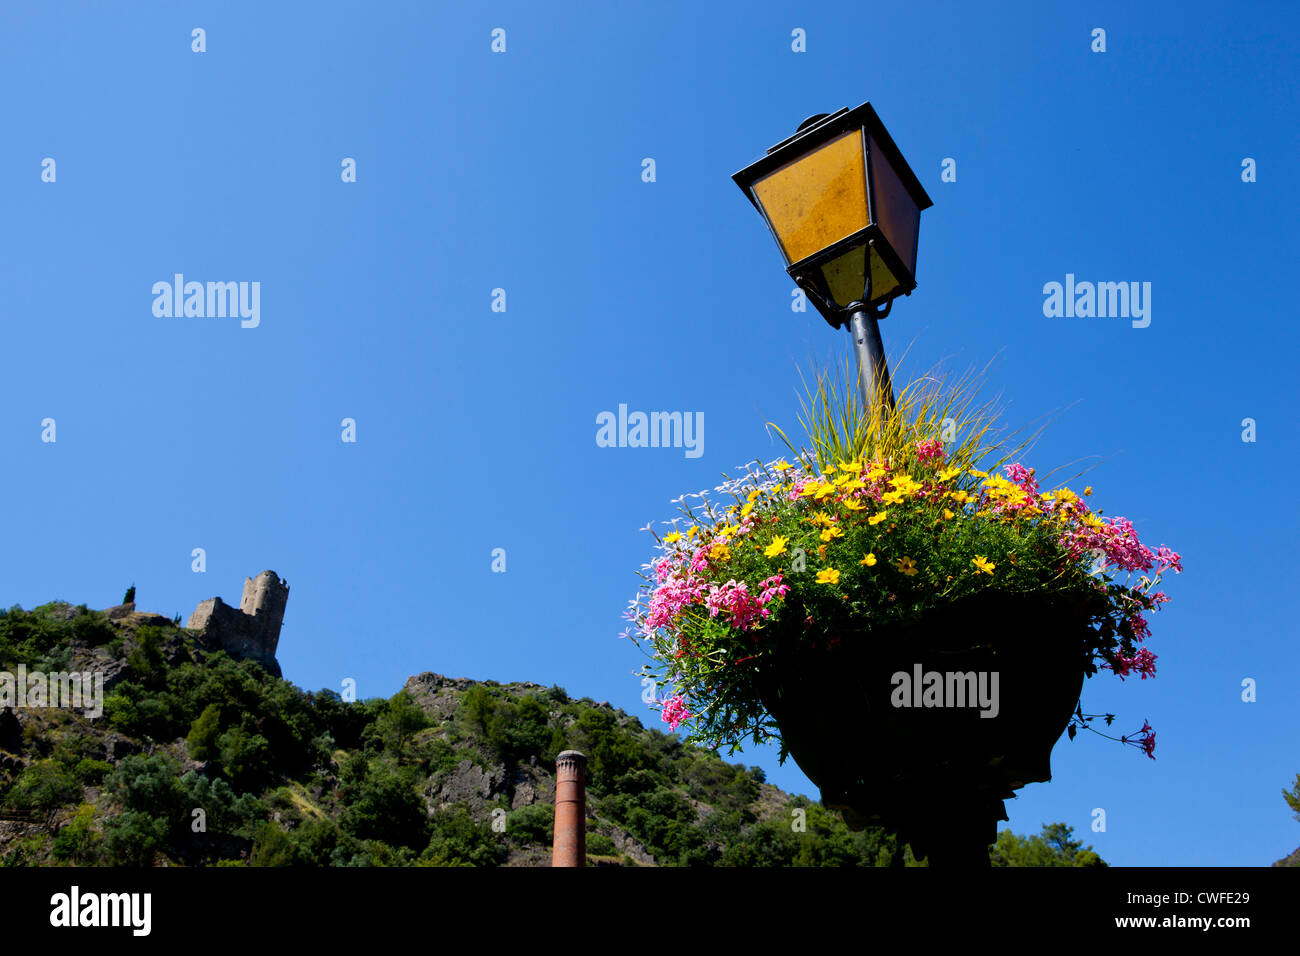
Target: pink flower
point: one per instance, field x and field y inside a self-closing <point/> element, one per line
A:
<point x="1169" y="559"/>
<point x="773" y="588"/>
<point x="1024" y="477"/>
<point x="675" y="712"/>
<point x="930" y="451"/>
<point x="1144" y="662"/>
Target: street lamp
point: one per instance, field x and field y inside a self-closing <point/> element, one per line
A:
<point x="845" y="210"/>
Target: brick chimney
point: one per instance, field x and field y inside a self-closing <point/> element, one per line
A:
<point x="570" y="810"/>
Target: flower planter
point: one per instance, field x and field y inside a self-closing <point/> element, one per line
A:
<point x="936" y="775"/>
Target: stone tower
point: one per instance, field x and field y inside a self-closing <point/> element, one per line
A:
<point x="253" y="631"/>
<point x="265" y="597"/>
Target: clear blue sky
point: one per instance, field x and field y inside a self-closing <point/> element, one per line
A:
<point x="476" y="430"/>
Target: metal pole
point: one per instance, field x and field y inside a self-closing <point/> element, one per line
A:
<point x="870" y="353"/>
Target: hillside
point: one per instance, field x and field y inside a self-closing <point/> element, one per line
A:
<point x="201" y="759"/>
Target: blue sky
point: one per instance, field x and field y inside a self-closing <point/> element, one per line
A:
<point x="476" y="429"/>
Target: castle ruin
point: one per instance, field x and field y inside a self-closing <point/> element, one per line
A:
<point x="251" y="632"/>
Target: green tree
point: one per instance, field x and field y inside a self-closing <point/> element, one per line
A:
<point x="401" y="720"/>
<point x="384" y="806"/>
<point x="133" y="838"/>
<point x="42" y="786"/>
<point x="1292" y="797"/>
<point x="202" y="739"/>
<point x="458" y="840"/>
<point x="76" y="841"/>
<point x="1053" y="847"/>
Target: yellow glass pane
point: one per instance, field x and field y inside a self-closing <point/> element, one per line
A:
<point x="896" y="213"/>
<point x="818" y="198"/>
<point x="844" y="277"/>
<point x="883" y="282"/>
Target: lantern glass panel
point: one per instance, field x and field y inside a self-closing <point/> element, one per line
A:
<point x="896" y="212"/>
<point x="817" y="199"/>
<point x="844" y="277"/>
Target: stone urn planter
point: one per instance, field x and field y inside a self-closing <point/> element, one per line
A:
<point x="926" y="728"/>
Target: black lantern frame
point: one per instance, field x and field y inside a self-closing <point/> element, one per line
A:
<point x="818" y="131"/>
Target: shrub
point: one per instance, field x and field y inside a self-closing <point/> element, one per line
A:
<point x="534" y="823"/>
<point x="458" y="840"/>
<point x="76" y="841"/>
<point x="133" y="838"/>
<point x="42" y="786"/>
<point x="600" y="845"/>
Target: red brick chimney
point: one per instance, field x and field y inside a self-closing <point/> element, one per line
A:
<point x="570" y="810"/>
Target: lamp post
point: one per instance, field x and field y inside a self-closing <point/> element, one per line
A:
<point x="845" y="210"/>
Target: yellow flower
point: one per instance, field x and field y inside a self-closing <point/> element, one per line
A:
<point x="1088" y="490"/>
<point x="672" y="538"/>
<point x="892" y="498"/>
<point x="906" y="565"/>
<point x="948" y="515"/>
<point x="948" y="474"/>
<point x="878" y="517"/>
<point x="1066" y="496"/>
<point x="979" y="474"/>
<point x="831" y="533"/>
<point x="720" y="551"/>
<point x="776" y="547"/>
<point x="783" y="465"/>
<point x="869" y="560"/>
<point x="822" y="520"/>
<point x="828" y="576"/>
<point x="728" y="530"/>
<point x="690" y="535"/>
<point x="877" y="471"/>
<point x="855" y="484"/>
<point x="825" y="491"/>
<point x="749" y="506"/>
<point x="982" y="564"/>
<point x="853" y="504"/>
<point x="961" y="497"/>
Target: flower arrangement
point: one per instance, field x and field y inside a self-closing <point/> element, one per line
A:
<point x="887" y="518"/>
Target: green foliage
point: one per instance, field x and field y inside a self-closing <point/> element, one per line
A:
<point x="1292" y="797"/>
<point x="201" y="742"/>
<point x="513" y="732"/>
<point x="600" y="845"/>
<point x="43" y="786"/>
<point x="29" y="636"/>
<point x="77" y="841"/>
<point x="1053" y="847"/>
<point x="225" y="812"/>
<point x="383" y="805"/>
<point x="133" y="838"/>
<point x="91" y="772"/>
<point x="401" y="719"/>
<point x="460" y="840"/>
<point x="146" y="658"/>
<point x="534" y="823"/>
<point x="149" y="784"/>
